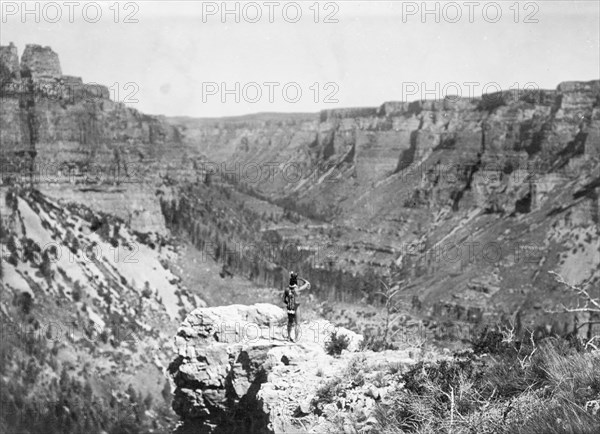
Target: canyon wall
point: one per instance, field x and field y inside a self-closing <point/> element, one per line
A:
<point x="477" y="198"/>
<point x="74" y="143"/>
<point x="508" y="182"/>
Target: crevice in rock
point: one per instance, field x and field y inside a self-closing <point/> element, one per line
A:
<point x="247" y="416"/>
<point x="523" y="205"/>
<point x="590" y="191"/>
<point x="328" y="147"/>
<point x="414" y="108"/>
<point x="472" y="169"/>
<point x="27" y="107"/>
<point x="574" y="147"/>
<point x="469" y="172"/>
<point x="538" y="138"/>
<point x="349" y="158"/>
<point x="408" y="156"/>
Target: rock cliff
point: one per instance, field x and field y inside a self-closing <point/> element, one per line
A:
<point x="38" y="61"/>
<point x="474" y="200"/>
<point x="234" y="371"/>
<point x="72" y="141"/>
<point x="85" y="299"/>
<point x="504" y="186"/>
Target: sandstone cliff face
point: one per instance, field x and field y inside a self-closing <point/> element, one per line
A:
<point x="70" y="139"/>
<point x="472" y="140"/>
<point x="9" y="64"/>
<point x="38" y="61"/>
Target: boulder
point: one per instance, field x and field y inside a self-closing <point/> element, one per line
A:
<point x="233" y="369"/>
<point x="221" y="362"/>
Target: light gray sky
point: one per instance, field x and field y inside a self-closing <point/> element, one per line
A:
<point x="373" y="53"/>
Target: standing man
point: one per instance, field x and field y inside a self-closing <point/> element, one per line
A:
<point x="290" y="298"/>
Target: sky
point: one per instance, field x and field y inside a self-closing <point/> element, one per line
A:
<point x="186" y="59"/>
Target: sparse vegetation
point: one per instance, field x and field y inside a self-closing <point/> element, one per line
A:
<point x="328" y="391"/>
<point x="44" y="388"/>
<point x="374" y="341"/>
<point x="355" y="371"/>
<point x="551" y="386"/>
<point x="382" y="338"/>
<point x="590" y="307"/>
<point x="78" y="291"/>
<point x="147" y="291"/>
<point x="65" y="404"/>
<point x="336" y="343"/>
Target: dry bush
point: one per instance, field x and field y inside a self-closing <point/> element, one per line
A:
<point x="547" y="387"/>
<point x="336" y="343"/>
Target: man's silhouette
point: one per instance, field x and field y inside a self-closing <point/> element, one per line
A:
<point x="290" y="299"/>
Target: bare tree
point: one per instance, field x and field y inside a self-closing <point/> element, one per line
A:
<point x="389" y="293"/>
<point x="591" y="306"/>
<point x="391" y="289"/>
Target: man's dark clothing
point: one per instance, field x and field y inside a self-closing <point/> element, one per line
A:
<point x="292" y="319"/>
<point x="290" y="299"/>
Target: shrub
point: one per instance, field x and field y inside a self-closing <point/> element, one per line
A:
<point x="404" y="414"/>
<point x="328" y="391"/>
<point x="355" y="370"/>
<point x="355" y="365"/>
<point x="380" y="379"/>
<point x="557" y="416"/>
<point x="395" y="368"/>
<point x="374" y="342"/>
<point x="488" y="340"/>
<point x="524" y="387"/>
<point x="336" y="343"/>
<point x="358" y="379"/>
<point x="78" y="291"/>
<point x="147" y="291"/>
<point x="25" y="302"/>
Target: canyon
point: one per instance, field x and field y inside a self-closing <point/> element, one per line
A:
<point x="465" y="205"/>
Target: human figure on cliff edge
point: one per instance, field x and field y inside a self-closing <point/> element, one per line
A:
<point x="290" y="298"/>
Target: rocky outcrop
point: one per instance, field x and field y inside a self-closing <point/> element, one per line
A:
<point x="38" y="61"/>
<point x="73" y="142"/>
<point x="9" y="64"/>
<point x="228" y="359"/>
